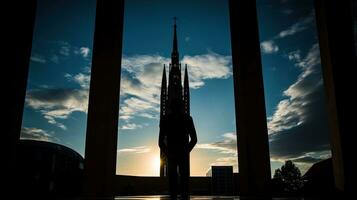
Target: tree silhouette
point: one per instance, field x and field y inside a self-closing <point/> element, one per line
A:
<point x="288" y="178"/>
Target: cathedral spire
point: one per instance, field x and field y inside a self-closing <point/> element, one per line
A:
<point x="186" y="93"/>
<point x="173" y="91"/>
<point x="163" y="81"/>
<point x="163" y="97"/>
<point x="175" y="53"/>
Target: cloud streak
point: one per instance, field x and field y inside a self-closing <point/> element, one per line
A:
<point x="57" y="103"/>
<point x="140" y="87"/>
<point x="292" y="111"/>
<point x="227" y="147"/>
<point x="207" y="66"/>
<point x="130" y="126"/>
<point x="38" y="59"/>
<point x="299" y="26"/>
<point x="31" y="133"/>
<point x="269" y="47"/>
<point x="84" y="51"/>
<point x="83" y="79"/>
<point x="137" y="150"/>
<point x="60" y="51"/>
<point x="141" y="80"/>
<point x="298" y="126"/>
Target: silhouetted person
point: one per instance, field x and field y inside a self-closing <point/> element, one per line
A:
<point x="177" y="138"/>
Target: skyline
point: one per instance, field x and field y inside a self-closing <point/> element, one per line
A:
<point x="57" y="92"/>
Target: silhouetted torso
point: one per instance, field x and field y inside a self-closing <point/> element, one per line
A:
<point x="177" y="133"/>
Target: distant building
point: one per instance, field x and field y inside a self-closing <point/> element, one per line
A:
<point x="48" y="169"/>
<point x="222" y="180"/>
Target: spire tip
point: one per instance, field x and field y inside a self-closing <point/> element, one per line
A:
<point x="175" y="19"/>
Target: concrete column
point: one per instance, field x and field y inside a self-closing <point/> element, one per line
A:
<point x="17" y="27"/>
<point x="338" y="59"/>
<point x="252" y="134"/>
<point x="103" y="107"/>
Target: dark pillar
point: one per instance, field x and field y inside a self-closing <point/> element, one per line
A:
<point x="252" y="134"/>
<point x="338" y="58"/>
<point x="18" y="29"/>
<point x="103" y="107"/>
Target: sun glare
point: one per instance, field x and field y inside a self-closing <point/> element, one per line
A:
<point x="156" y="162"/>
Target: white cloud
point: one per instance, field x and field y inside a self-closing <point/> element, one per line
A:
<point x="138" y="107"/>
<point x="57" y="103"/>
<point x="295" y="56"/>
<point x="226" y="146"/>
<point x="60" y="51"/>
<point x="142" y="74"/>
<point x="82" y="79"/>
<point x="312" y="157"/>
<point x="291" y="111"/>
<point x="140" y="87"/>
<point x="140" y="84"/>
<point x="64" y="48"/>
<point x="130" y="126"/>
<point x="31" y="133"/>
<point x="308" y="65"/>
<point x="139" y="150"/>
<point x="38" y="58"/>
<point x="288" y="114"/>
<point x="297" y="27"/>
<point x="269" y="47"/>
<point x="207" y="66"/>
<point x="84" y="51"/>
<point x="227" y="161"/>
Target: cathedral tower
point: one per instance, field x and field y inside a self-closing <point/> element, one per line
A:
<point x="174" y="91"/>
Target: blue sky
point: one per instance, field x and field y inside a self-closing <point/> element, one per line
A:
<point x="57" y="94"/>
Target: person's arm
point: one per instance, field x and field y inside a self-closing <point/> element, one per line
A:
<point x="193" y="135"/>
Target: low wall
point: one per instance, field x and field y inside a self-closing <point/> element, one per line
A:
<point x="136" y="185"/>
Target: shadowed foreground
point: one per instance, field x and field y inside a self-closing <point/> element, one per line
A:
<point x="159" y="197"/>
